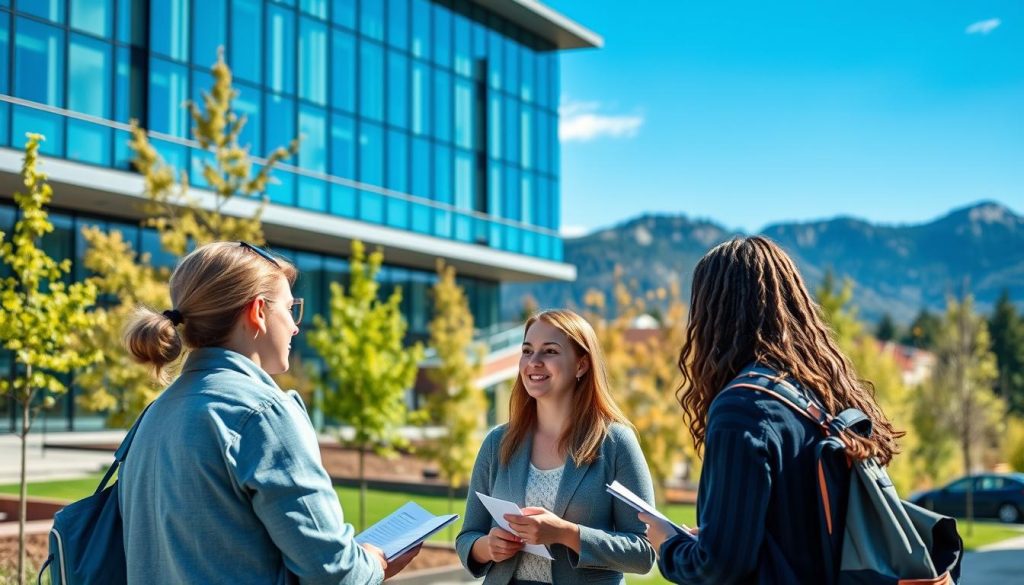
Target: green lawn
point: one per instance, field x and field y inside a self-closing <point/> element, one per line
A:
<point x="381" y="503"/>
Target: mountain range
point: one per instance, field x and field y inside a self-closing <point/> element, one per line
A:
<point x="895" y="269"/>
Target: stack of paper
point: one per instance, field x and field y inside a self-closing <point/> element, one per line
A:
<point x="403" y="529"/>
<point x="637" y="503"/>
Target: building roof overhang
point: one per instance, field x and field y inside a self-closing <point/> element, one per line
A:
<point x="545" y="22"/>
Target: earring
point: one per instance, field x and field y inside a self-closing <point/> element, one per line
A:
<point x="578" y="378"/>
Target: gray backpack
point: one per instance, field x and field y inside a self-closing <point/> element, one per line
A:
<point x="885" y="540"/>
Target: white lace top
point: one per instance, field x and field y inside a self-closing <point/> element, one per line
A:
<point x="541" y="489"/>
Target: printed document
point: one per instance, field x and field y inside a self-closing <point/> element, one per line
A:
<point x="637" y="503"/>
<point x="403" y="529"/>
<point x="498" y="509"/>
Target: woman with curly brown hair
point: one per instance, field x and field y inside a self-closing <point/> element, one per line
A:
<point x="758" y="501"/>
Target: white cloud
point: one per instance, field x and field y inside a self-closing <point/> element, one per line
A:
<point x="983" y="27"/>
<point x="574" y="231"/>
<point x="582" y="121"/>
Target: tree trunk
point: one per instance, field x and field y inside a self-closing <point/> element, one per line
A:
<point x="362" y="487"/>
<point x="26" y="410"/>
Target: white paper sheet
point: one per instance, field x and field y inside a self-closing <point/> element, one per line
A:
<point x="498" y="509"/>
<point x="637" y="503"/>
<point x="403" y="529"/>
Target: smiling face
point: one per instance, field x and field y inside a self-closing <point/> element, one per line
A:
<point x="274" y="346"/>
<point x="549" y="365"/>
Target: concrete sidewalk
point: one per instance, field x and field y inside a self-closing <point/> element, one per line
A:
<point x="1002" y="562"/>
<point x="52" y="464"/>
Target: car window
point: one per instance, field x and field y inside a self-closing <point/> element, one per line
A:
<point x="959" y="485"/>
<point x="990" y="483"/>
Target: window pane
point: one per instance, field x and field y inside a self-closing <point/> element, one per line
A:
<point x="496" y="61"/>
<point x="443" y="174"/>
<point x="343" y="147"/>
<point x="5" y="47"/>
<point x="421" y="92"/>
<point x="280" y="121"/>
<point x="31" y="120"/>
<point x="495" y="182"/>
<point x="280" y="72"/>
<point x="94" y="16"/>
<point x="512" y="205"/>
<point x="494" y="121"/>
<point x="526" y="136"/>
<point x="464" y="113"/>
<point x="371" y="19"/>
<point x="527" y="61"/>
<point x="442" y="105"/>
<point x="168" y="89"/>
<point x="246" y="33"/>
<point x="541" y="141"/>
<point x="526" y="198"/>
<point x="398" y="89"/>
<point x="512" y="67"/>
<point x="371" y="154"/>
<point x="313" y="61"/>
<point x="89" y="76"/>
<point x="463" y="59"/>
<point x="343" y="71"/>
<point x="88" y="142"/>
<point x="371" y="80"/>
<point x="464" y="180"/>
<point x="442" y="36"/>
<point x="398" y="23"/>
<point x="39" y="63"/>
<point x="5" y="136"/>
<point x="209" y="25"/>
<point x="317" y="8"/>
<point x="421" y="28"/>
<point x="312" y="128"/>
<point x="398" y="161"/>
<point x="48" y="9"/>
<point x="250" y="104"/>
<point x="343" y="12"/>
<point x="168" y="31"/>
<point x="421" y="168"/>
<point x="510" y="126"/>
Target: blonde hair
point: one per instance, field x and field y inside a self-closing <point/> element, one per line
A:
<point x="593" y="406"/>
<point x="209" y="289"/>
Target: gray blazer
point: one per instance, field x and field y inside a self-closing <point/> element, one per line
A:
<point x="611" y="537"/>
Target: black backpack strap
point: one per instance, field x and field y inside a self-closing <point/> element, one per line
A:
<point x="777" y="386"/>
<point x="122" y="451"/>
<point x="42" y="570"/>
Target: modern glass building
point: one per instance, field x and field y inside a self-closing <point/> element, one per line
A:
<point x="428" y="128"/>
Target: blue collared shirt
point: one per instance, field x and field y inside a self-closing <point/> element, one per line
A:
<point x="224" y="484"/>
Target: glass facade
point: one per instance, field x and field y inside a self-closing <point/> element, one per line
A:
<point x="317" y="272"/>
<point x="448" y="112"/>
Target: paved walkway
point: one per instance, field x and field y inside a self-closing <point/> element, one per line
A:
<point x="51" y="464"/>
<point x="1002" y="562"/>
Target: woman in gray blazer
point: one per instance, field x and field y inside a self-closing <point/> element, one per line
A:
<point x="565" y="440"/>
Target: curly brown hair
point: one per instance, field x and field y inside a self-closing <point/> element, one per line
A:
<point x="749" y="304"/>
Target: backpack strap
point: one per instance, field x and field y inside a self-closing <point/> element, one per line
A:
<point x="778" y="387"/>
<point x="122" y="451"/>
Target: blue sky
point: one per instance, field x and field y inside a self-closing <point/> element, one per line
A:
<point x="750" y="113"/>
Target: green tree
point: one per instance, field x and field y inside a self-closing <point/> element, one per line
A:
<point x="42" y="315"/>
<point x="182" y="217"/>
<point x="457" y="403"/>
<point x="923" y="330"/>
<point x="1007" y="330"/>
<point x="960" y="400"/>
<point x="367" y="366"/>
<point x="886" y="328"/>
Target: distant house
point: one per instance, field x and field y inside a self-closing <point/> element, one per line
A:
<point x="915" y="364"/>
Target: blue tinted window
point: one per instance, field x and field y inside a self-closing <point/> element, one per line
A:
<point x="495" y="58"/>
<point x="465" y="113"/>
<point x="246" y="33"/>
<point x="442" y="36"/>
<point x="543" y="152"/>
<point x="465" y="180"/>
<point x="312" y="128"/>
<point x="526" y="135"/>
<point x="313" y="61"/>
<point x="421" y="93"/>
<point x="371" y="18"/>
<point x="398" y="89"/>
<point x="371" y="80"/>
<point x="421" y="28"/>
<point x="249" y="103"/>
<point x="169" y="26"/>
<point x="39" y="62"/>
<point x="279" y="121"/>
<point x="442" y="105"/>
<point x="512" y="205"/>
<point x="48" y="9"/>
<point x="31" y="120"/>
<point x="398" y="161"/>
<point x="463" y="46"/>
<point x="494" y="184"/>
<point x="556" y="210"/>
<point x="168" y="89"/>
<point x="510" y="126"/>
<point x="526" y="198"/>
<point x="512" y="67"/>
<point x="317" y="8"/>
<point x="343" y="71"/>
<point x="88" y="142"/>
<point x="553" y="80"/>
<point x="542" y="210"/>
<point x="398" y="215"/>
<point x="5" y="44"/>
<point x="371" y="154"/>
<point x="398" y="23"/>
<point x="443" y="165"/>
<point x="89" y="76"/>
<point x="280" y="71"/>
<point x="122" y="84"/>
<point x="210" y="30"/>
<point x="93" y="16"/>
<point x="528" y="73"/>
<point x="421" y="168"/>
<point x="343" y="12"/>
<point x="494" y="122"/>
<point x="343" y="146"/>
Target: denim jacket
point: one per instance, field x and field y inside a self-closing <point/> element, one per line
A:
<point x="224" y="484"/>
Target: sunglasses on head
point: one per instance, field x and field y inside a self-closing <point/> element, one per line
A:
<point x="261" y="252"/>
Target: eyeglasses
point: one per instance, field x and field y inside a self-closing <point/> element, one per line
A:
<point x="296" y="309"/>
<point x="260" y="251"/>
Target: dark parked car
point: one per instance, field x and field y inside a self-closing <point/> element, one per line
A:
<point x="996" y="495"/>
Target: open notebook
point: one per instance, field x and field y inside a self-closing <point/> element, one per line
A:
<point x="403" y="529"/>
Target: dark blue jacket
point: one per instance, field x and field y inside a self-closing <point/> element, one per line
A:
<point x="758" y="502"/>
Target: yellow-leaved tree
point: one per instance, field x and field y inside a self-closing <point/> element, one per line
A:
<point x="43" y="316"/>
